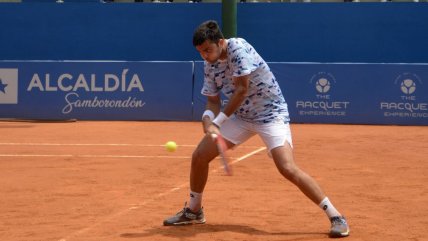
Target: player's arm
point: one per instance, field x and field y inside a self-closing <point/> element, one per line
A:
<point x="242" y="84"/>
<point x="213" y="105"/>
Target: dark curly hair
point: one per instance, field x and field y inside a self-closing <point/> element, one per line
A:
<point x="208" y="30"/>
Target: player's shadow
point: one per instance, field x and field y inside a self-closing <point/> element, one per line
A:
<point x="193" y="230"/>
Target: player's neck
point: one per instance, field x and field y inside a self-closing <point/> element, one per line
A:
<point x="223" y="55"/>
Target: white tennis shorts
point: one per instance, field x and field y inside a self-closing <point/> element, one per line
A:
<point x="273" y="135"/>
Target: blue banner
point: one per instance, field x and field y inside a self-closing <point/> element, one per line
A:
<point x="96" y="90"/>
<point x="347" y="93"/>
<point x="315" y="93"/>
<point x="355" y="93"/>
<point x="199" y="101"/>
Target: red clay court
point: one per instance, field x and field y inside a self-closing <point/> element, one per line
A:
<point x="115" y="181"/>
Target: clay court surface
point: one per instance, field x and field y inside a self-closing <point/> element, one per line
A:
<point x="115" y="181"/>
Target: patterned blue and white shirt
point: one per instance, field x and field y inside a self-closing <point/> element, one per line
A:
<point x="264" y="102"/>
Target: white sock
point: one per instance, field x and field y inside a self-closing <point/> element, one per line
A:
<point x="195" y="202"/>
<point x="328" y="208"/>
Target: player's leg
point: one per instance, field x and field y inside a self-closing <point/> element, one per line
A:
<point x="204" y="153"/>
<point x="284" y="161"/>
<point x="234" y="132"/>
<point x="193" y="214"/>
<point x="278" y="140"/>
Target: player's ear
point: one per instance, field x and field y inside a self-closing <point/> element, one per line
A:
<point x="221" y="43"/>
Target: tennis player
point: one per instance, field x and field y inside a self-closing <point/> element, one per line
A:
<point x="256" y="106"/>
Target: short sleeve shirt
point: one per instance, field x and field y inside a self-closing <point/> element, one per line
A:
<point x="264" y="102"/>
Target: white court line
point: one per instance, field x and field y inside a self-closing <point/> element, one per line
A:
<point x="81" y="144"/>
<point x="90" y="156"/>
<point x="95" y="144"/>
<point x="139" y="205"/>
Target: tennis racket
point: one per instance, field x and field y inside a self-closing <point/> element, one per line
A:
<point x="222" y="147"/>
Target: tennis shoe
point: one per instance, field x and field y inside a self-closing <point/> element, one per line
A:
<point x="339" y="227"/>
<point x="186" y="217"/>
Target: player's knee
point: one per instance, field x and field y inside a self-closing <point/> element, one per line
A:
<point x="288" y="170"/>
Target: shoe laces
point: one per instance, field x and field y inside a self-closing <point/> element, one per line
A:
<point x="182" y="210"/>
<point x="338" y="220"/>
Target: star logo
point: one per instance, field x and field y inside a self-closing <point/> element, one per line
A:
<point x="2" y="86"/>
<point x="8" y="86"/>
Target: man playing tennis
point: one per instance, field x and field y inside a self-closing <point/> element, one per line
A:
<point x="256" y="106"/>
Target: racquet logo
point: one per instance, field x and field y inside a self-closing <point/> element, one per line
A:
<point x="407" y="83"/>
<point x="323" y="103"/>
<point x="8" y="86"/>
<point x="408" y="105"/>
<point x="323" y="82"/>
<point x="408" y="86"/>
<point x="322" y="85"/>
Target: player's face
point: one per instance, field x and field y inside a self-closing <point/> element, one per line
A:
<point x="210" y="51"/>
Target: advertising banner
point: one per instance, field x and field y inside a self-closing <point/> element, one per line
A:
<point x="96" y="90"/>
<point x="347" y="93"/>
<point x="355" y="93"/>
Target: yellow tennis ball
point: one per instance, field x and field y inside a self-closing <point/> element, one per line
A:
<point x="171" y="146"/>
